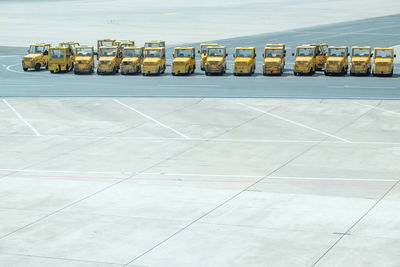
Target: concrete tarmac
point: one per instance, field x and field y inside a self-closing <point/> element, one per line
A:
<point x="375" y="32"/>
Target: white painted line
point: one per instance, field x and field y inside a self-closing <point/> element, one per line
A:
<point x="58" y="171"/>
<point x="152" y="119"/>
<point x="203" y="175"/>
<point x="362" y="87"/>
<point x="188" y="85"/>
<point x="10" y="56"/>
<point x="22" y="118"/>
<point x="377" y="108"/>
<point x="331" y="179"/>
<point x="9" y="68"/>
<point x="293" y="122"/>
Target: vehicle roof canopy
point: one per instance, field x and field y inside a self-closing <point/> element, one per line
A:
<point x="245" y="48"/>
<point x="184" y="47"/>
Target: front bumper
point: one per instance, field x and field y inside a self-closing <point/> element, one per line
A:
<point x="382" y="69"/>
<point x="105" y="68"/>
<point x="179" y="68"/>
<point x="359" y="69"/>
<point x="302" y="68"/>
<point x="333" y="68"/>
<point x="57" y="67"/>
<point x="28" y="64"/>
<point x="150" y="69"/>
<point x="214" y="69"/>
<point x="272" y="69"/>
<point x="83" y="67"/>
<point x="129" y="69"/>
<point x="241" y="69"/>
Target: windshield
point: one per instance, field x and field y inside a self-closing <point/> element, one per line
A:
<point x="132" y="53"/>
<point x="337" y="52"/>
<point x="216" y="52"/>
<point x="324" y="48"/>
<point x="35" y="49"/>
<point x="57" y="53"/>
<point x="305" y="52"/>
<point x="273" y="53"/>
<point x="152" y="45"/>
<point x="107" y="52"/>
<point x="204" y="48"/>
<point x="244" y="53"/>
<point x="361" y="52"/>
<point x="105" y="43"/>
<point x="384" y="53"/>
<point x="183" y="53"/>
<point x="65" y="45"/>
<point x="153" y="53"/>
<point x="84" y="51"/>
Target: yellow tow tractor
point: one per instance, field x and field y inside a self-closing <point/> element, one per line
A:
<point x="216" y="60"/>
<point x="321" y="50"/>
<point x="105" y="43"/>
<point x="109" y="60"/>
<point x="245" y="61"/>
<point x="84" y="59"/>
<point x="132" y="60"/>
<point x="337" y="60"/>
<point x="38" y="57"/>
<point x="154" y="61"/>
<point x="61" y="59"/>
<point x="305" y="62"/>
<point x="274" y="60"/>
<point x="383" y="62"/>
<point x="360" y="60"/>
<point x="154" y="44"/>
<point x="203" y="53"/>
<point x="184" y="61"/>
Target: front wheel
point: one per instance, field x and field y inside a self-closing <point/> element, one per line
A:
<point x="37" y="66"/>
<point x="25" y="69"/>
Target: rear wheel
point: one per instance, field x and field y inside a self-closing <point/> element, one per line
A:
<point x="189" y="71"/>
<point x="76" y="72"/>
<point x="37" y="66"/>
<point x="52" y="71"/>
<point x="25" y="69"/>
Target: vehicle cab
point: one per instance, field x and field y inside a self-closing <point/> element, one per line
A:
<point x="154" y="44"/>
<point x="154" y="61"/>
<point x="337" y="61"/>
<point x="203" y="53"/>
<point x="84" y="59"/>
<point x="383" y="61"/>
<point x="278" y="45"/>
<point x="321" y="50"/>
<point x="305" y="62"/>
<point x="60" y="59"/>
<point x="38" y="57"/>
<point x="109" y="60"/>
<point x="71" y="46"/>
<point x="216" y="60"/>
<point x="105" y="43"/>
<point x="184" y="61"/>
<point x="245" y="60"/>
<point x="132" y="60"/>
<point x="274" y="60"/>
<point x="122" y="44"/>
<point x="360" y="60"/>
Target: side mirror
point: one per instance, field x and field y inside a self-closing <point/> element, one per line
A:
<point x="394" y="55"/>
<point x="233" y="56"/>
<point x="372" y="54"/>
<point x="46" y="53"/>
<point x="293" y="54"/>
<point x="198" y="51"/>
<point x="255" y="54"/>
<point x="348" y="54"/>
<point x="173" y="55"/>
<point x="95" y="53"/>
<point x="226" y="54"/>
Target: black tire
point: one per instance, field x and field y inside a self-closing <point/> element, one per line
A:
<point x="52" y="71"/>
<point x="47" y="66"/>
<point x="351" y="73"/>
<point x="37" y="66"/>
<point x="234" y="74"/>
<point x="73" y="66"/>
<point x="294" y="73"/>
<point x="76" y="72"/>
<point x="173" y="73"/>
<point x="368" y="72"/>
<point x="264" y="74"/>
<point x="326" y="74"/>
<point x="114" y="70"/>
<point x="25" y="69"/>
<point x="189" y="71"/>
<point x="207" y="73"/>
<point x="66" y="69"/>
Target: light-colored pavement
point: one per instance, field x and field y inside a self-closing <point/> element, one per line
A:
<point x="175" y="21"/>
<point x="199" y="182"/>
